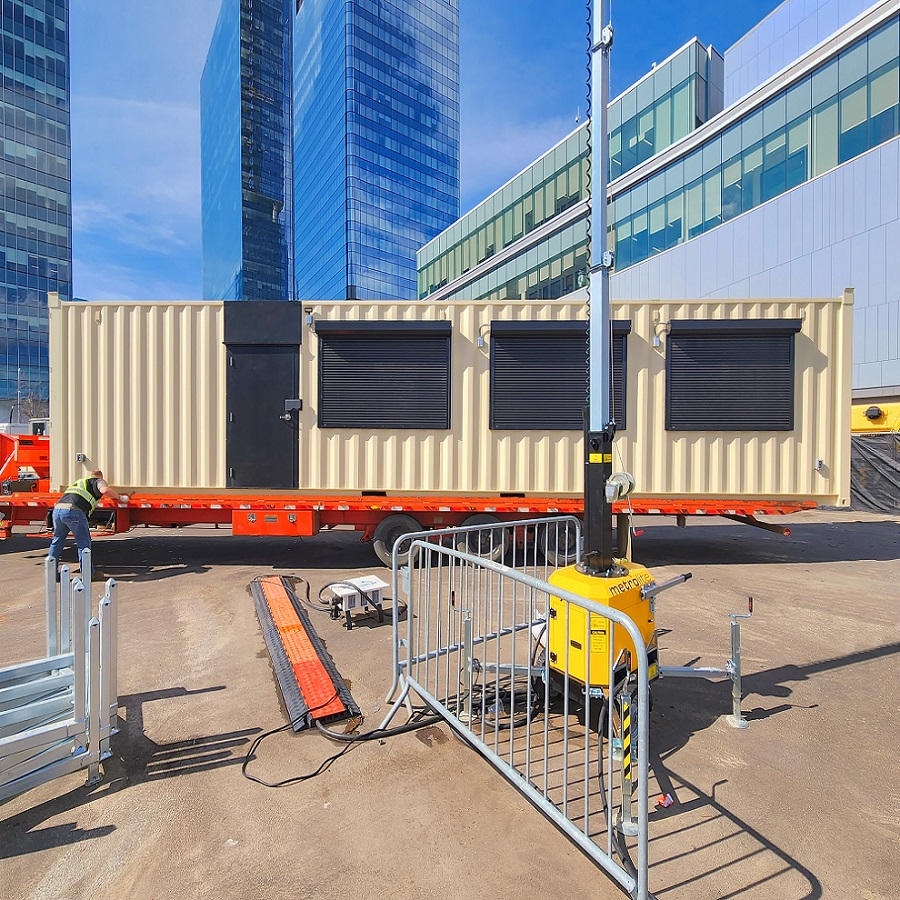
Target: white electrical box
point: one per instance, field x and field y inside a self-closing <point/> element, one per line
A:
<point x="356" y="593"/>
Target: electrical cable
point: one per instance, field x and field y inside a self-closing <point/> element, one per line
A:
<point x="334" y="598"/>
<point x="588" y="173"/>
<point x="378" y="733"/>
<point x="351" y="740"/>
<point x="618" y="837"/>
<point x="627" y="497"/>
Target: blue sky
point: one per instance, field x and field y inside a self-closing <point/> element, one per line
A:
<point x="136" y="121"/>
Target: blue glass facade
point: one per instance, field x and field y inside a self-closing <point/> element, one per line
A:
<point x="376" y="142"/>
<point x="35" y="187"/>
<point x="245" y="153"/>
<point x="847" y="106"/>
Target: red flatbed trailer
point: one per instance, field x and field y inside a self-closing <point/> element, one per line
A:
<point x="287" y="513"/>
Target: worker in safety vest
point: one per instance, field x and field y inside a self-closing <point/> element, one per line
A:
<point x="73" y="509"/>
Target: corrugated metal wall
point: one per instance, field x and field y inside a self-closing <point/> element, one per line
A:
<point x="139" y="389"/>
<point x="763" y="464"/>
<point x="471" y="458"/>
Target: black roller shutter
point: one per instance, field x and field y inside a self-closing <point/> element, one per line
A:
<point x="539" y="374"/>
<point x="730" y="375"/>
<point x="384" y="375"/>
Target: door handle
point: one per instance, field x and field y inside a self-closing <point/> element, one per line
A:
<point x="287" y="417"/>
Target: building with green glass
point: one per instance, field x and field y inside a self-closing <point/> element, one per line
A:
<point x="791" y="190"/>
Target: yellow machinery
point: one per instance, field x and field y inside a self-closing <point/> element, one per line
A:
<point x="874" y="418"/>
<point x="628" y="588"/>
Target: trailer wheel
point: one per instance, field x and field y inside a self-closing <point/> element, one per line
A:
<point x="388" y="532"/>
<point x="559" y="544"/>
<point x="490" y="543"/>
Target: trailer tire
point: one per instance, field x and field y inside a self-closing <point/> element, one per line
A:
<point x="558" y="544"/>
<point x="478" y="543"/>
<point x="388" y="532"/>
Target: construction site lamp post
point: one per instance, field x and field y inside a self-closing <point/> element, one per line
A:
<point x="600" y="429"/>
<point x="587" y="655"/>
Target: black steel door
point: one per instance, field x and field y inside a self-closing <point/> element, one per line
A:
<point x="262" y="441"/>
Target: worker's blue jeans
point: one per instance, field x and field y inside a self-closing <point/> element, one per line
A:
<point x="74" y="520"/>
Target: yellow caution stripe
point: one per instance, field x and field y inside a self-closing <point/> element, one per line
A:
<point x="626" y="744"/>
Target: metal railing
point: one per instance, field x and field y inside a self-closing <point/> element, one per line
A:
<point x="536" y="546"/>
<point x="473" y="648"/>
<point x="57" y="713"/>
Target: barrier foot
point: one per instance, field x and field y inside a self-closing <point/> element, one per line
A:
<point x="402" y="699"/>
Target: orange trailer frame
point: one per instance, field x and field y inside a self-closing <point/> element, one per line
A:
<point x="287" y="513"/>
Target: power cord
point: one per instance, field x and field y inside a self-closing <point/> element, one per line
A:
<point x="351" y="741"/>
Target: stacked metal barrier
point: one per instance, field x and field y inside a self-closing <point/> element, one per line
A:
<point x="472" y="647"/>
<point x="57" y="713"/>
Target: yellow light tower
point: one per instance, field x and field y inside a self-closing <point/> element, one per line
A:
<point x="620" y="584"/>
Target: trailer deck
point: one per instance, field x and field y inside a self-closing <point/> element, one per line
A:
<point x="288" y="513"/>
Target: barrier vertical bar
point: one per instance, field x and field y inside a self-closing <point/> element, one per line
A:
<point x="87" y="565"/>
<point x="112" y="592"/>
<point x="105" y="674"/>
<point x="93" y="726"/>
<point x="65" y="610"/>
<point x="52" y="606"/>
<point x="78" y="650"/>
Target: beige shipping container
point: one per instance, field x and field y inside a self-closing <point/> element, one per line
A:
<point x="140" y="389"/>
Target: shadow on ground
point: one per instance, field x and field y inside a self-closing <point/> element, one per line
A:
<point x="136" y="758"/>
<point x="809" y="542"/>
<point x="682" y="708"/>
<point x="153" y="555"/>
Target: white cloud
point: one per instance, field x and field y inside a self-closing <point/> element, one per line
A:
<point x="145" y="152"/>
<point x="135" y="184"/>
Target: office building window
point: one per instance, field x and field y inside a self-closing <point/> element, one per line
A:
<point x="384" y="375"/>
<point x="849" y="105"/>
<point x="730" y="375"/>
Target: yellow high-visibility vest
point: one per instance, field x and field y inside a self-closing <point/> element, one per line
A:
<point x="80" y="488"/>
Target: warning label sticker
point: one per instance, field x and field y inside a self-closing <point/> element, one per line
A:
<point x="599" y="634"/>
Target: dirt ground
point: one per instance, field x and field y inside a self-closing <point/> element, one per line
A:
<point x="805" y="803"/>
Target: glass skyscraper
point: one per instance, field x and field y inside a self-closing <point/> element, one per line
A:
<point x="35" y="192"/>
<point x="245" y="153"/>
<point x="376" y="142"/>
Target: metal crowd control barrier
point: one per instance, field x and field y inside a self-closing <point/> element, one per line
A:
<point x="472" y="647"/>
<point x="57" y="713"/>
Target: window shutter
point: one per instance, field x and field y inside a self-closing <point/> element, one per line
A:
<point x="373" y="375"/>
<point x="539" y="374"/>
<point x="730" y="375"/>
